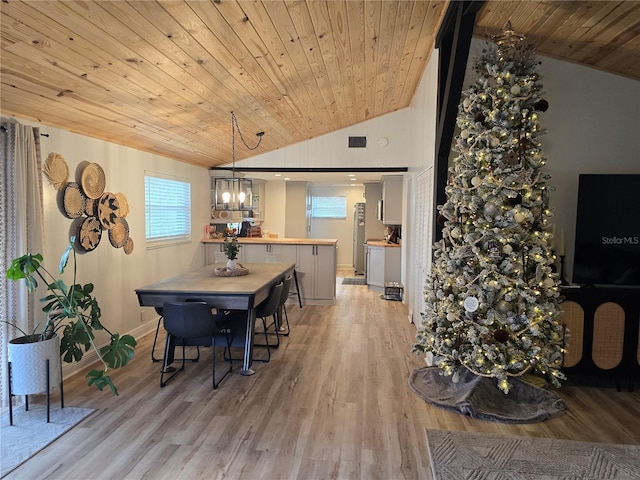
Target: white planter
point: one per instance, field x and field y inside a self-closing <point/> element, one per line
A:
<point x="28" y="365"/>
<point x="231" y="264"/>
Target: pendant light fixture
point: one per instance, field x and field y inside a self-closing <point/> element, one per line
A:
<point x="234" y="194"/>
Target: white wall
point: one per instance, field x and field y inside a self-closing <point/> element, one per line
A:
<point x="296" y="210"/>
<point x="342" y="229"/>
<point x="114" y="274"/>
<point x="593" y="127"/>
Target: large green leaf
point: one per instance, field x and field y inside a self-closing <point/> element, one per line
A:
<point x="100" y="379"/>
<point x="75" y="336"/>
<point x="64" y="258"/>
<point x="120" y="351"/>
<point x="23" y="267"/>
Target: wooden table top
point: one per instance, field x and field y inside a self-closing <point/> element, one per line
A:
<point x="203" y="283"/>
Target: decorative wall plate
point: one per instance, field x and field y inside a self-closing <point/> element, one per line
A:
<point x="91" y="207"/>
<point x="119" y="233"/>
<point x="108" y="210"/>
<point x="93" y="180"/>
<point x="128" y="246"/>
<point x="123" y="204"/>
<point x="73" y="200"/>
<point x="90" y="233"/>
<point x="56" y="170"/>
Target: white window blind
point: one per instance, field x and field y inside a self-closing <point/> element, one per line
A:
<point x="167" y="210"/>
<point x="329" y="207"/>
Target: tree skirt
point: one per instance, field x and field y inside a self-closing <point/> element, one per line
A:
<point x="481" y="398"/>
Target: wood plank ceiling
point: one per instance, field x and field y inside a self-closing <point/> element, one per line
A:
<point x="163" y="76"/>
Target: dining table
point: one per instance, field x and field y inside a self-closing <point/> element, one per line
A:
<point x="241" y="292"/>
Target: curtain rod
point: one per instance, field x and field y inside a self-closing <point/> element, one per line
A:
<point x="3" y="129"/>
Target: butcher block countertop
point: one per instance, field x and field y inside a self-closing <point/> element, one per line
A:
<point x="281" y="241"/>
<point x="381" y="243"/>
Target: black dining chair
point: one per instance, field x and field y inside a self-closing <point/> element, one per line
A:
<point x="282" y="310"/>
<point x="155" y="340"/>
<point x="268" y="308"/>
<point x="193" y="324"/>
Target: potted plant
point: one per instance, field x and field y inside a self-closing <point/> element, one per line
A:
<point x="72" y="313"/>
<point x="231" y="248"/>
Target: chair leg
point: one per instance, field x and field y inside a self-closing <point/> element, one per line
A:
<point x="227" y="346"/>
<point x="283" y="332"/>
<point x="165" y="363"/>
<point x="155" y="339"/>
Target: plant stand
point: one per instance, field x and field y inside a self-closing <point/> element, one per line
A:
<point x="33" y="366"/>
<point x="26" y="397"/>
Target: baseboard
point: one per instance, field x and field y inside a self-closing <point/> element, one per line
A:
<point x="90" y="357"/>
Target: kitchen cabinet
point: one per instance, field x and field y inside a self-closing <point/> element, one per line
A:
<point x="392" y="200"/>
<point x="383" y="265"/>
<point x="268" y="252"/>
<point x="316" y="270"/>
<point x="315" y="262"/>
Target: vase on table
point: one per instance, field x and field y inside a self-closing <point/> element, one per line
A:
<point x="231" y="264"/>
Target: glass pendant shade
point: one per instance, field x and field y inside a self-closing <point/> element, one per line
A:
<point x="232" y="194"/>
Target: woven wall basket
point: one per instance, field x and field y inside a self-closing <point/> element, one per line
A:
<point x="93" y="180"/>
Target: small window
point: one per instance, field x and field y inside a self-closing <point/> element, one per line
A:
<point x="329" y="207"/>
<point x="167" y="210"/>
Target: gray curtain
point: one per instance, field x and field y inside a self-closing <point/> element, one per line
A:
<point x="21" y="219"/>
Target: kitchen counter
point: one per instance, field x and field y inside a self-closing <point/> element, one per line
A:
<point x="281" y="241"/>
<point x="314" y="259"/>
<point x="382" y="243"/>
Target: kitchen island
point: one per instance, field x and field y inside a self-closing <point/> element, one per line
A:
<point x="314" y="258"/>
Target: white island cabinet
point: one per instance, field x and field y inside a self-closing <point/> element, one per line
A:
<point x="316" y="270"/>
<point x="315" y="261"/>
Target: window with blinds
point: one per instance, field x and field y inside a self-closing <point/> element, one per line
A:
<point x="329" y="207"/>
<point x="167" y="210"/>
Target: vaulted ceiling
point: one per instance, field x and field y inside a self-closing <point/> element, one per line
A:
<point x="163" y="76"/>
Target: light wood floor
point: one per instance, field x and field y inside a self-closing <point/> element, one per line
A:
<point x="333" y="403"/>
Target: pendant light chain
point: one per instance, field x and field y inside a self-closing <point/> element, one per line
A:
<point x="234" y="122"/>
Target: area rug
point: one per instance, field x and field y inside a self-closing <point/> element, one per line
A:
<point x="31" y="433"/>
<point x="481" y="398"/>
<point x="353" y="281"/>
<point x="470" y="455"/>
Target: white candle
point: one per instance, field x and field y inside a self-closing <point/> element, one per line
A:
<point x="561" y="247"/>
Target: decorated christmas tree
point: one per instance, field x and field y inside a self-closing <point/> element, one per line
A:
<point x="492" y="295"/>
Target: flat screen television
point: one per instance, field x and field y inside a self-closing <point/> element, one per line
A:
<point x="607" y="248"/>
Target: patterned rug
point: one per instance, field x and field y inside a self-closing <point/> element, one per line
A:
<point x="468" y="455"/>
<point x="31" y="433"/>
<point x="353" y="281"/>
